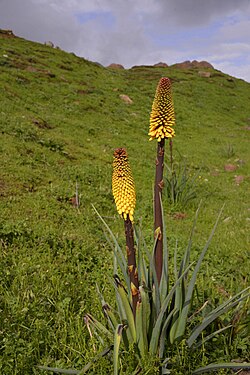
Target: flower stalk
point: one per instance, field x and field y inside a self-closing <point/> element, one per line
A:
<point x="158" y="222"/>
<point x="125" y="198"/>
<point x="132" y="269"/>
<point x="162" y="120"/>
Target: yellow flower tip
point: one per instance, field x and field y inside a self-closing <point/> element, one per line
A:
<point x="162" y="116"/>
<point x="123" y="184"/>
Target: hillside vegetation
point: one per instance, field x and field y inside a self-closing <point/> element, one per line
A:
<point x="61" y="118"/>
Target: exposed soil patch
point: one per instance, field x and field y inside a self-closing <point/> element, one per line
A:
<point x="238" y="179"/>
<point x="179" y="215"/>
<point x="230" y="167"/>
<point x="41" y="124"/>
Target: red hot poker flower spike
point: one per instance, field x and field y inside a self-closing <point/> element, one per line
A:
<point x="123" y="184"/>
<point x="162" y="118"/>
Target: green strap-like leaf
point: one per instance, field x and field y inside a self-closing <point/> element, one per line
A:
<point x="126" y="306"/>
<point x="222" y="309"/>
<point x="216" y="367"/>
<point x="182" y="320"/>
<point x="107" y="310"/>
<point x="157" y="328"/>
<point x="209" y="337"/>
<point x="186" y="257"/>
<point x="118" y="251"/>
<point x="117" y="341"/>
<point x="164" y="284"/>
<point x="142" y="270"/>
<point x="59" y="370"/>
<point x="142" y="322"/>
<point x="162" y="341"/>
<point x="139" y="329"/>
<point x="178" y="300"/>
<point x="156" y="294"/>
<point x="98" y="326"/>
<point x="78" y="372"/>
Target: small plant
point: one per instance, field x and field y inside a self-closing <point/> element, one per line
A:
<point x="228" y="151"/>
<point x="180" y="186"/>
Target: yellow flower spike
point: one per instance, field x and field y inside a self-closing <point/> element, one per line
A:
<point x="123" y="187"/>
<point x="162" y="117"/>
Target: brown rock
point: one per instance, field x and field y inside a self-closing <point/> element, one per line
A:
<point x="184" y="65"/>
<point x="126" y="99"/>
<point x="7" y="33"/>
<point x="202" y="64"/>
<point x="32" y="69"/>
<point x="74" y="201"/>
<point x="238" y="179"/>
<point x="161" y="65"/>
<point x="49" y="44"/>
<point x="193" y="64"/>
<point x="204" y="74"/>
<point x="230" y="167"/>
<point x="115" y="66"/>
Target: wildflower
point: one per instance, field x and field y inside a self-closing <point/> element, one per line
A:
<point x="162" y="118"/>
<point x="123" y="184"/>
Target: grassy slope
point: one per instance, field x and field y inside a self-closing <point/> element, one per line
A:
<point x="61" y="117"/>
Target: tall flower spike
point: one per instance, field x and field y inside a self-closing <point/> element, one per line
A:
<point x="162" y="118"/>
<point x="123" y="184"/>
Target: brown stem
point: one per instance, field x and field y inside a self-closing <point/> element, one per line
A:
<point x="132" y="270"/>
<point x="158" y="255"/>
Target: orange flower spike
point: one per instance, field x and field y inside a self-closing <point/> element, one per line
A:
<point x="123" y="185"/>
<point x="162" y="118"/>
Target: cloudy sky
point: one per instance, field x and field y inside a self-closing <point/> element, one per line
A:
<point x="137" y="32"/>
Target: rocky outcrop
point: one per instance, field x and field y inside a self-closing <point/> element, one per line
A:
<point x="7" y="33"/>
<point x="126" y="99"/>
<point x="115" y="66"/>
<point x="161" y="65"/>
<point x="204" y="74"/>
<point x="204" y="64"/>
<point x="49" y="44"/>
<point x="193" y="64"/>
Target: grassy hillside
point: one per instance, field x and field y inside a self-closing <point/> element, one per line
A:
<point x="61" y="117"/>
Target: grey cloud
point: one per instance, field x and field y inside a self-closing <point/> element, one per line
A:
<point x="129" y="40"/>
<point x="39" y="21"/>
<point x="198" y="12"/>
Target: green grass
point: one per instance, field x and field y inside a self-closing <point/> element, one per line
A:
<point x="61" y="117"/>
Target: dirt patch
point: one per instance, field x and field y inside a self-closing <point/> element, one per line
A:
<point x="238" y="179"/>
<point x="230" y="167"/>
<point x="179" y="215"/>
<point x="41" y="124"/>
<point x="82" y="92"/>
